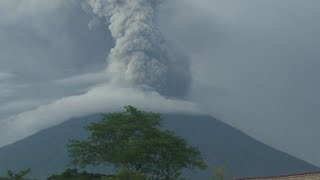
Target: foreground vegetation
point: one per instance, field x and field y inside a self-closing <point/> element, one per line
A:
<point x="134" y="144"/>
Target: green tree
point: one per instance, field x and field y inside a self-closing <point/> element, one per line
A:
<point x="19" y="175"/>
<point x="165" y="154"/>
<point x="133" y="143"/>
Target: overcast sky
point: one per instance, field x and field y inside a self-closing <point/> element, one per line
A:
<point x="255" y="65"/>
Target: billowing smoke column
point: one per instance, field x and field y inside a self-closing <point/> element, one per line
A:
<point x="140" y="55"/>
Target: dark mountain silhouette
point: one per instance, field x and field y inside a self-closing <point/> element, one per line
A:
<point x="220" y="144"/>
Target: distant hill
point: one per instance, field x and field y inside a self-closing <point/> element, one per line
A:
<point x="220" y="144"/>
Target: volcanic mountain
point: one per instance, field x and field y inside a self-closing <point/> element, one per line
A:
<point x="220" y="144"/>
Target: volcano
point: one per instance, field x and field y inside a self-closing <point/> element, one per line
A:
<point x="219" y="143"/>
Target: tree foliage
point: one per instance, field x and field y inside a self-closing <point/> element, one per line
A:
<point x="73" y="174"/>
<point x="165" y="154"/>
<point x="132" y="141"/>
<point x="11" y="175"/>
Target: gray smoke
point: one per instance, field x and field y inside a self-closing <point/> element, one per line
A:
<point x="140" y="55"/>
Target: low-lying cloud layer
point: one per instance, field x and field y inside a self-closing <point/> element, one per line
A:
<point x="101" y="99"/>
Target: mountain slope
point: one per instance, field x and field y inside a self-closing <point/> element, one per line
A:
<point x="219" y="143"/>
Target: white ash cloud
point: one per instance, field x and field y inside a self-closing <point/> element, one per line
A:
<point x="140" y="55"/>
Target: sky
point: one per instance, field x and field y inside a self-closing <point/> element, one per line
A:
<point x="253" y="64"/>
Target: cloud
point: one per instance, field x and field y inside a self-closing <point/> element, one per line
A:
<point x="46" y="48"/>
<point x="84" y="79"/>
<point x="255" y="66"/>
<point x="42" y="39"/>
<point x="6" y="76"/>
<point x="21" y="105"/>
<point x="100" y="99"/>
<point x="42" y="42"/>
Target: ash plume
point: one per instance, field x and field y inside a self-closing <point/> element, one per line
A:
<point x="140" y="55"/>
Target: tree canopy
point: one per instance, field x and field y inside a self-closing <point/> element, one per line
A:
<point x="11" y="175"/>
<point x="132" y="141"/>
<point x="73" y="174"/>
